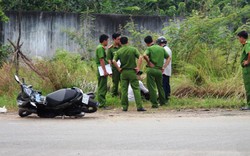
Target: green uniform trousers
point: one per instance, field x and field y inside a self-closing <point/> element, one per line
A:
<point x="102" y="90"/>
<point x="129" y="77"/>
<point x="115" y="80"/>
<point x="246" y="78"/>
<point x="154" y="79"/>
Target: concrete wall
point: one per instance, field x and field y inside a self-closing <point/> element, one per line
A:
<point x="44" y="32"/>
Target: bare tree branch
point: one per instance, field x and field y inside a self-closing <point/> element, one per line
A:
<point x="14" y="46"/>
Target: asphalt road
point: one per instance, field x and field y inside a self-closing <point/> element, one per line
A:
<point x="122" y="134"/>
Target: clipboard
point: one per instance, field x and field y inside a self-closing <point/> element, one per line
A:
<point x="108" y="69"/>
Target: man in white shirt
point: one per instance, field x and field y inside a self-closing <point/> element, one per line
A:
<point x="168" y="70"/>
<point x="143" y="89"/>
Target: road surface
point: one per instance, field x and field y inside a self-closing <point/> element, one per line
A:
<point x="114" y="133"/>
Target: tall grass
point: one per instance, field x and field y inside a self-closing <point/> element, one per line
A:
<point x="65" y="70"/>
<point x="69" y="70"/>
<point x="206" y="54"/>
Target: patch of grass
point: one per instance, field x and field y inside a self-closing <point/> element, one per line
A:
<point x="113" y="101"/>
<point x="206" y="103"/>
<point x="210" y="92"/>
<point x="185" y="103"/>
<point x="9" y="102"/>
<point x="174" y="103"/>
<point x="67" y="70"/>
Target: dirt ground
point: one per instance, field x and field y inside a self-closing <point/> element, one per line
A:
<point x="118" y="114"/>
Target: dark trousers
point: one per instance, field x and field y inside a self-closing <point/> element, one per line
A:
<point x="129" y="77"/>
<point x="166" y="86"/>
<point x="154" y="80"/>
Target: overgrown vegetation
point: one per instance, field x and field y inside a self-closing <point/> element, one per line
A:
<point x="206" y="52"/>
<point x="3" y="17"/>
<point x="138" y="7"/>
<point x="64" y="70"/>
<point x="5" y="51"/>
<point x="69" y="70"/>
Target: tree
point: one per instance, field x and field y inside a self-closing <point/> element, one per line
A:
<point x="3" y="17"/>
<point x="182" y="8"/>
<point x="138" y="7"/>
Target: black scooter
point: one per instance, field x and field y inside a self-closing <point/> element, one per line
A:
<point x="63" y="102"/>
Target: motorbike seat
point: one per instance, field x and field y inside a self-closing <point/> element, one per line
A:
<point x="59" y="97"/>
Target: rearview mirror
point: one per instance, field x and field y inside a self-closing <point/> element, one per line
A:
<point x="17" y="79"/>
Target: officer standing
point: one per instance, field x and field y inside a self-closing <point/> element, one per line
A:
<point x="161" y="41"/>
<point x="102" y="61"/>
<point x="110" y="55"/>
<point x="245" y="63"/>
<point x="127" y="56"/>
<point x="154" y="55"/>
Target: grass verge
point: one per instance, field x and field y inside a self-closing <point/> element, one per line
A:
<point x="186" y="103"/>
<point x="174" y="103"/>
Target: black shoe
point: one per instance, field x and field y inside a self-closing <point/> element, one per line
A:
<point x="165" y="104"/>
<point x="105" y="107"/>
<point x="154" y="106"/>
<point x="79" y="115"/>
<point x="245" y="108"/>
<point x="141" y="109"/>
<point x="125" y="109"/>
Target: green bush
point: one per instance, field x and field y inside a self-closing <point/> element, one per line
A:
<point x="69" y="70"/>
<point x="206" y="51"/>
<point x="5" y="51"/>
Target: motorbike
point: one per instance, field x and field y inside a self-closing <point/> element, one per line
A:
<point x="63" y="102"/>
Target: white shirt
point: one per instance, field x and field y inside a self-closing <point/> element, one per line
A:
<point x="168" y="69"/>
<point x="131" y="96"/>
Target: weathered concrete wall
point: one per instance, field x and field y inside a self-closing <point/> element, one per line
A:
<point x="43" y="32"/>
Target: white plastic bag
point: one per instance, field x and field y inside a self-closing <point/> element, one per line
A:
<point x="3" y="110"/>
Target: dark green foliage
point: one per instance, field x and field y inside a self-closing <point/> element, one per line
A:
<point x="5" y="51"/>
<point x="204" y="40"/>
<point x="139" y="7"/>
<point x="2" y="15"/>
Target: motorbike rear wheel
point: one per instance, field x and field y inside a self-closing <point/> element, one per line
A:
<point x="48" y="114"/>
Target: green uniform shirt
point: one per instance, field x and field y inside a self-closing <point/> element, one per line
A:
<point x="127" y="55"/>
<point x="156" y="55"/>
<point x="111" y="53"/>
<point x="245" y="51"/>
<point x="100" y="53"/>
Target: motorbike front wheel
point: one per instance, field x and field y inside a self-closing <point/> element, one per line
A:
<point x="89" y="109"/>
<point x="23" y="113"/>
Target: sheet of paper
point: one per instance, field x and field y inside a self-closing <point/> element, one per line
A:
<point x="119" y="63"/>
<point x="108" y="69"/>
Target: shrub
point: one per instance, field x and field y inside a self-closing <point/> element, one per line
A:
<point x="69" y="70"/>
<point x="5" y="51"/>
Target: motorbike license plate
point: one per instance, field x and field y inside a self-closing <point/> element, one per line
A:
<point x="85" y="99"/>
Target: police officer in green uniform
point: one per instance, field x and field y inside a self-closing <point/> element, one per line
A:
<point x="102" y="61"/>
<point x="110" y="55"/>
<point x="154" y="55"/>
<point x="245" y="63"/>
<point x="127" y="56"/>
